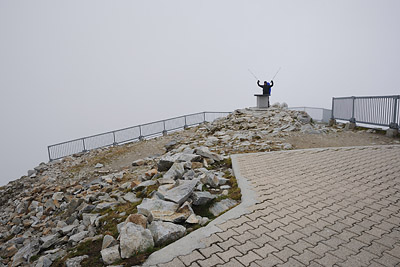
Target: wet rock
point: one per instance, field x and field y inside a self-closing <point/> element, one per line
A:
<point x="110" y="255"/>
<point x="221" y="206"/>
<point x="134" y="238"/>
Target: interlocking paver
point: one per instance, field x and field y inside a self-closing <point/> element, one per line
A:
<point x="174" y="263"/>
<point x="317" y="207"/>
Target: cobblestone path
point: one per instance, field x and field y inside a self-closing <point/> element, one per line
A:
<point x="316" y="207"/>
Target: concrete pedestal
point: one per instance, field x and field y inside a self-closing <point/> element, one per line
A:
<point x="262" y="101"/>
<point x="392" y="132"/>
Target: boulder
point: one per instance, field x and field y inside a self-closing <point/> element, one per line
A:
<point x="165" y="232"/>
<point x="161" y="210"/>
<point x="201" y="198"/>
<point x="175" y="172"/>
<point x="221" y="206"/>
<point x="134" y="238"/>
<point x="110" y="255"/>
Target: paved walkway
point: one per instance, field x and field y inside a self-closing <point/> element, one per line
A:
<point x="316" y="207"/>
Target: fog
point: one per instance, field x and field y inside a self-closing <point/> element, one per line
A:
<point x="69" y="69"/>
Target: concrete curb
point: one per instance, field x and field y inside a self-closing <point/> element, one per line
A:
<point x="193" y="241"/>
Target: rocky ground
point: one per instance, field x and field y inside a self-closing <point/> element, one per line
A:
<point x="116" y="205"/>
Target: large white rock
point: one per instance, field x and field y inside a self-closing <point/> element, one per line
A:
<point x="110" y="255"/>
<point x="134" y="238"/>
<point x="148" y="206"/>
<point x="166" y="232"/>
<point x="180" y="193"/>
<point x="75" y="262"/>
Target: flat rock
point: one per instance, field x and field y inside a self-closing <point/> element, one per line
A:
<point x="108" y="241"/>
<point x="78" y="237"/>
<point x="131" y="197"/>
<point x="66" y="229"/>
<point x="138" y="219"/>
<point x="221" y="206"/>
<point x="166" y="232"/>
<point x="24" y="254"/>
<point x="48" y="241"/>
<point x="134" y="238"/>
<point x="181" y="193"/>
<point x="44" y="261"/>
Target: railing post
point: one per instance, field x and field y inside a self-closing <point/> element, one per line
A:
<point x="164" y="132"/>
<point x="204" y="113"/>
<point x="394" y="124"/>
<point x="140" y="133"/>
<point x="115" y="143"/>
<point x="48" y="151"/>
<point x="352" y="119"/>
<point x="84" y="147"/>
<point x="332" y="121"/>
<point x="185" y="126"/>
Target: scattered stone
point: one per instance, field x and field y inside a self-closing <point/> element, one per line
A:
<point x="205" y="152"/>
<point x="180" y="193"/>
<point x="108" y="241"/>
<point x="76" y="261"/>
<point x="131" y="197"/>
<point x="134" y="238"/>
<point x="175" y="172"/>
<point x="110" y="255"/>
<point x="165" y="232"/>
<point x="202" y="198"/>
<point x="139" y="162"/>
<point x="99" y="165"/>
<point x="44" y="261"/>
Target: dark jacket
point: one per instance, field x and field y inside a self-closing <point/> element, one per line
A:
<point x="266" y="88"/>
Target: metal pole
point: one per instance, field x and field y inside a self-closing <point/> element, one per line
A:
<point x="140" y="132"/>
<point x="394" y="122"/>
<point x="352" y="112"/>
<point x="83" y="142"/>
<point x="115" y="143"/>
<point x="204" y="113"/>
<point x="333" y="106"/>
<point x="48" y="150"/>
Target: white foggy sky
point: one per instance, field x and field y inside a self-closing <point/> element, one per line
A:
<point x="75" y="68"/>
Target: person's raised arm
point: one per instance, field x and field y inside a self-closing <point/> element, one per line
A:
<point x="258" y="82"/>
<point x="272" y="83"/>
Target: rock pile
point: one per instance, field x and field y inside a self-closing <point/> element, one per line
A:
<point x="151" y="203"/>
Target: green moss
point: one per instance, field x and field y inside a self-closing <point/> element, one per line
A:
<point x="90" y="248"/>
<point x="34" y="258"/>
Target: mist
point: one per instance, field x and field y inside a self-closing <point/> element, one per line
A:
<point x="69" y="69"/>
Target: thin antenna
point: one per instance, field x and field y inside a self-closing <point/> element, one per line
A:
<point x="253" y="74"/>
<point x="276" y="73"/>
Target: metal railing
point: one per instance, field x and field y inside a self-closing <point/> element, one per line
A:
<point x="130" y="134"/>
<point x="317" y="114"/>
<point x="374" y="110"/>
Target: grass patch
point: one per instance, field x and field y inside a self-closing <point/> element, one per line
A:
<point x="204" y="210"/>
<point x="90" y="248"/>
<point x="147" y="191"/>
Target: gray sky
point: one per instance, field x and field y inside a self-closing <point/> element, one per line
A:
<point x="74" y="68"/>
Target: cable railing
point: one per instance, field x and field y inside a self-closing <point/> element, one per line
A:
<point x="373" y="110"/>
<point x="130" y="134"/>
